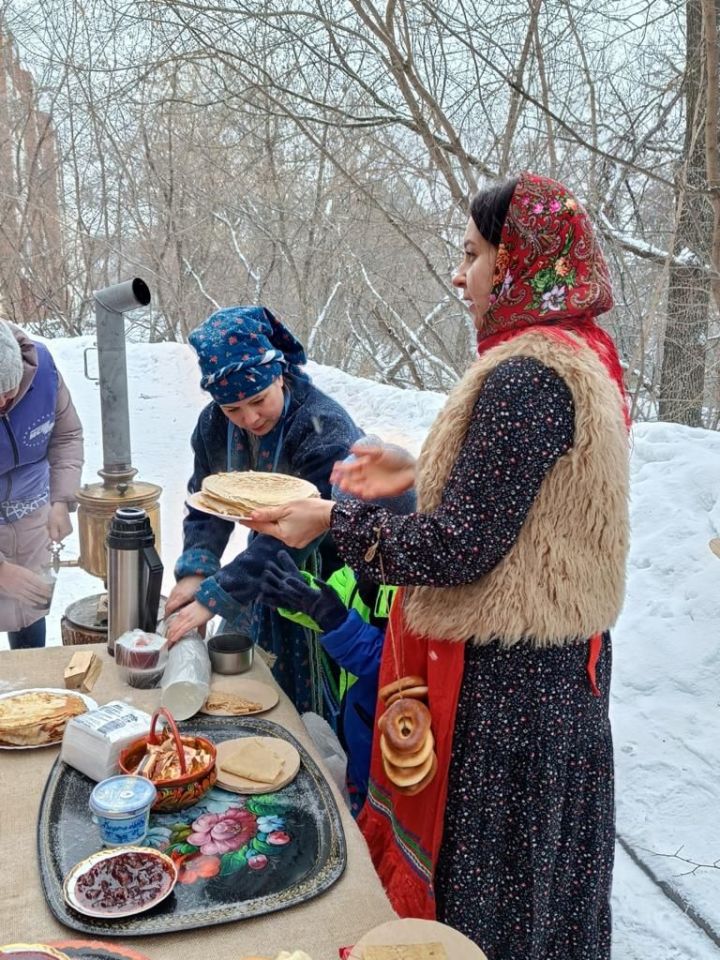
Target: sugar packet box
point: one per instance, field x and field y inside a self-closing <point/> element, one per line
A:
<point x="92" y="742"/>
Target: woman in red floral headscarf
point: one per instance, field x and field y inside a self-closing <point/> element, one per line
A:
<point x="514" y="572"/>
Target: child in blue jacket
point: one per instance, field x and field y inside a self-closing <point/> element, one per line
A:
<point x="351" y="616"/>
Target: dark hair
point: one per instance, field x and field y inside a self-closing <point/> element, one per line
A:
<point x="488" y="208"/>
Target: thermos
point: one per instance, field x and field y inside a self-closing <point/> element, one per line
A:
<point x="134" y="574"/>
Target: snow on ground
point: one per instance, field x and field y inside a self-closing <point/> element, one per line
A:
<point x="666" y="696"/>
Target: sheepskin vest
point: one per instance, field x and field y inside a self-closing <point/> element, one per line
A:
<point x="563" y="580"/>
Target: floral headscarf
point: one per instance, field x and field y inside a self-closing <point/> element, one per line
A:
<point x="550" y="272"/>
<point x="241" y="350"/>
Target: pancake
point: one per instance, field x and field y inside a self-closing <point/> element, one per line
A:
<point x="240" y="492"/>
<point x="37" y="717"/>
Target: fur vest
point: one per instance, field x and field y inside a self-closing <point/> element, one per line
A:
<point x="563" y="580"/>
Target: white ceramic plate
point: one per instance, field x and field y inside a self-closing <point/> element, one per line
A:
<point x="80" y="869"/>
<point x="88" y="701"/>
<point x="194" y="500"/>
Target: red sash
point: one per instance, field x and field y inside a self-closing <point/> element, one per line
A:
<point x="404" y="833"/>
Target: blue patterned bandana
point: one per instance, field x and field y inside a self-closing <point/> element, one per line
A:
<point x="242" y="350"/>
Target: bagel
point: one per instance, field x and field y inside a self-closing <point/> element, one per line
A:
<point x="407" y="759"/>
<point x="415" y="693"/>
<point x="406" y="724"/>
<point x="419" y="787"/>
<point x="401" y="684"/>
<point x="409" y="776"/>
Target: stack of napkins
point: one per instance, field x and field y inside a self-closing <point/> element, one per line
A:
<point x="93" y="742"/>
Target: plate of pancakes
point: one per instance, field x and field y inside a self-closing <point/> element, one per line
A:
<point x="37" y="717"/>
<point x="235" y="495"/>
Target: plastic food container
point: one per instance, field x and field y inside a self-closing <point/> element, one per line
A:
<point x="141" y="657"/>
<point x="230" y="653"/>
<point x="140" y="650"/>
<point x="141" y="679"/>
<point x="121" y="808"/>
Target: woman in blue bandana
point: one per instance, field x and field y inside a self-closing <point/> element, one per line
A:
<point x="266" y="415"/>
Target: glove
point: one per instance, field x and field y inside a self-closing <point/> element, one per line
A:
<point x="282" y="585"/>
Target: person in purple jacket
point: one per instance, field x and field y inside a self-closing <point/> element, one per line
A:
<point x="41" y="457"/>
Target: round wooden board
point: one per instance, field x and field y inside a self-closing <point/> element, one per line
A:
<point x="715" y="546"/>
<point x="286" y="751"/>
<point x="402" y="932"/>
<point x="261" y="693"/>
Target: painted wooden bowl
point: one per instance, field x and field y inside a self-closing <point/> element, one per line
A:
<point x="178" y="792"/>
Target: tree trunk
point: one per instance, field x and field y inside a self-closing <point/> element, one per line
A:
<point x="682" y="384"/>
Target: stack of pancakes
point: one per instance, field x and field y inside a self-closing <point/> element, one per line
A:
<point x="238" y="494"/>
<point x="37" y="717"/>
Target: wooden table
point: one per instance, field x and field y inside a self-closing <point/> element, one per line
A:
<point x="339" y="917"/>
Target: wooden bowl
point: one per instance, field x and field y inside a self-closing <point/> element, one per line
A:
<point x="178" y="792"/>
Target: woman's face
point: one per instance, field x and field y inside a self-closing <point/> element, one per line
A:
<point x="259" y="413"/>
<point x="475" y="274"/>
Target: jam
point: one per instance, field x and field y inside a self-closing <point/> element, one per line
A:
<point x="130" y="880"/>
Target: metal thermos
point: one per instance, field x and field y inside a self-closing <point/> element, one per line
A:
<point x="134" y="574"/>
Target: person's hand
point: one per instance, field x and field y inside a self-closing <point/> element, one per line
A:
<point x="24" y="585"/>
<point x="59" y="525"/>
<point x="182" y="593"/>
<point x="375" y="472"/>
<point x="193" y="616"/>
<point x="283" y="585"/>
<point x="297" y="523"/>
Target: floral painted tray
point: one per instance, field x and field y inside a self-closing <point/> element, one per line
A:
<point x="237" y="856"/>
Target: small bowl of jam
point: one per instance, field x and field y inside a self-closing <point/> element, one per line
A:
<point x="120" y="883"/>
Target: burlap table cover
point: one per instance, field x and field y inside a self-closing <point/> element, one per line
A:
<point x="354" y="905"/>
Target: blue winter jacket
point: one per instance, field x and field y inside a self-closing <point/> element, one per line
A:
<point x="317" y="432"/>
<point x="357" y="647"/>
<point x="25" y="433"/>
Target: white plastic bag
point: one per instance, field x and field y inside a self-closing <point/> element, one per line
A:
<point x="330" y="749"/>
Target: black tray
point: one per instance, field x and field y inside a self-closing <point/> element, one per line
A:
<point x="293" y="845"/>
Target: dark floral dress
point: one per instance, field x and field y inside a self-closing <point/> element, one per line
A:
<point x="526" y="858"/>
<point x="526" y="861"/>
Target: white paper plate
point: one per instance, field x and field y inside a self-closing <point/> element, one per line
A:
<point x="401" y="932"/>
<point x="74" y="874"/>
<point x="88" y="701"/>
<point x="195" y="501"/>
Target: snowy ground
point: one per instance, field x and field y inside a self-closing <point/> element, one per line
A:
<point x="666" y="698"/>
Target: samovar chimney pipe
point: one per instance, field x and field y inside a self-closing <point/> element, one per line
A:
<point x="111" y="303"/>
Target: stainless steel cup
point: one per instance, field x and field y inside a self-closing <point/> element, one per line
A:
<point x="230" y="652"/>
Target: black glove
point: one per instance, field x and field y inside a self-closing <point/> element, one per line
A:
<point x="282" y="585"/>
